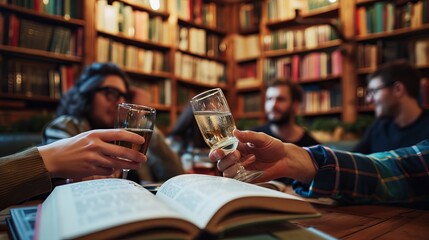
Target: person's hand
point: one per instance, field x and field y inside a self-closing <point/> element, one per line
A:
<point x="258" y="151"/>
<point x="91" y="153"/>
<point x="139" y="96"/>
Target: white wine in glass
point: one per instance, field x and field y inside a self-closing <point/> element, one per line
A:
<point x="216" y="124"/>
<point x="217" y="128"/>
<point x="137" y="119"/>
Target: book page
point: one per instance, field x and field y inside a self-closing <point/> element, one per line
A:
<point x="199" y="197"/>
<point x="77" y="209"/>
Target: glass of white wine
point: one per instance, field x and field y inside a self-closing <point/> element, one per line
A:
<point x="137" y="119"/>
<point x="216" y="124"/>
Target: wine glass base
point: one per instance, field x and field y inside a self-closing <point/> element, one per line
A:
<point x="248" y="176"/>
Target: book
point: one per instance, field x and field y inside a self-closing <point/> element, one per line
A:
<point x="21" y="227"/>
<point x="185" y="206"/>
<point x="21" y="222"/>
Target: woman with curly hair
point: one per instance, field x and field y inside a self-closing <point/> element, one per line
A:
<point x="91" y="104"/>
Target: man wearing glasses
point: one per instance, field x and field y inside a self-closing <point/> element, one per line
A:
<point x="393" y="89"/>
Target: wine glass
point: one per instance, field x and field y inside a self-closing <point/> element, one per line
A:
<point x="137" y="119"/>
<point x="216" y="124"/>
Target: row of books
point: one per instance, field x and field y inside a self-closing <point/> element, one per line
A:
<point x="285" y="9"/>
<point x="199" y="41"/>
<point x="200" y="12"/>
<point x="198" y="69"/>
<point x="34" y="79"/>
<point x="246" y="47"/>
<point x="370" y="55"/>
<point x="247" y="75"/>
<point x="250" y="15"/>
<point x="161" y="5"/>
<point x="66" y="8"/>
<point x="131" y="57"/>
<point x="25" y="33"/>
<point x="291" y="40"/>
<point x="316" y="4"/>
<point x="386" y="16"/>
<point x="119" y="18"/>
<point x="160" y="90"/>
<point x="250" y="102"/>
<point x="317" y="99"/>
<point x="299" y="68"/>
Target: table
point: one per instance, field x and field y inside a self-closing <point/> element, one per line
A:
<point x="351" y="222"/>
<point x="370" y="222"/>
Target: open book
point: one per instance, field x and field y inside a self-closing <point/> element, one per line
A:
<point x="185" y="206"/>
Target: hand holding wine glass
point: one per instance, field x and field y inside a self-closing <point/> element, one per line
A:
<point x="216" y="124"/>
<point x="137" y="119"/>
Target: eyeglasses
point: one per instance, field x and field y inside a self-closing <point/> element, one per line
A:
<point x="112" y="94"/>
<point x="370" y="92"/>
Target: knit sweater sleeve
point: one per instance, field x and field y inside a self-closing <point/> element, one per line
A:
<point x="22" y="176"/>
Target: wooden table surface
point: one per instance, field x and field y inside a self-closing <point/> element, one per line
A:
<point x="350" y="222"/>
<point x="370" y="222"/>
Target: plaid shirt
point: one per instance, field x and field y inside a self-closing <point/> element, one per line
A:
<point x="397" y="176"/>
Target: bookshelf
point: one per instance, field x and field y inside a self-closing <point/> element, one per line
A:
<point x="303" y="48"/>
<point x="138" y="39"/>
<point x="200" y="49"/>
<point x="289" y="50"/>
<point x="159" y="49"/>
<point x="247" y="93"/>
<point x="391" y="30"/>
<point x="41" y="50"/>
<point x="308" y="53"/>
<point x="188" y="46"/>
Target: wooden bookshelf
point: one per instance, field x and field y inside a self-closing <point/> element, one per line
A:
<point x="42" y="16"/>
<point x="18" y="101"/>
<point x="271" y="28"/>
<point x="321" y="47"/>
<point x="396" y="38"/>
<point x="39" y="54"/>
<point x="352" y="74"/>
<point x="223" y="33"/>
<point x="41" y="50"/>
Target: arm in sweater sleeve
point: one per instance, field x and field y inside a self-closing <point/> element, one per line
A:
<point x="22" y="176"/>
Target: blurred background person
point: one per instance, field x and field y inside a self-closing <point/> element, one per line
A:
<point x="282" y="103"/>
<point x="92" y="103"/>
<point x="393" y="89"/>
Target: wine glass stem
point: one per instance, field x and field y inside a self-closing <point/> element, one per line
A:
<point x="125" y="173"/>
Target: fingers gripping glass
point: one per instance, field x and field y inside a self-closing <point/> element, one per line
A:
<point x="137" y="119"/>
<point x="216" y="124"/>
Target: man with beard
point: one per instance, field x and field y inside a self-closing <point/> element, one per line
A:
<point x="393" y="89"/>
<point x="282" y="102"/>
